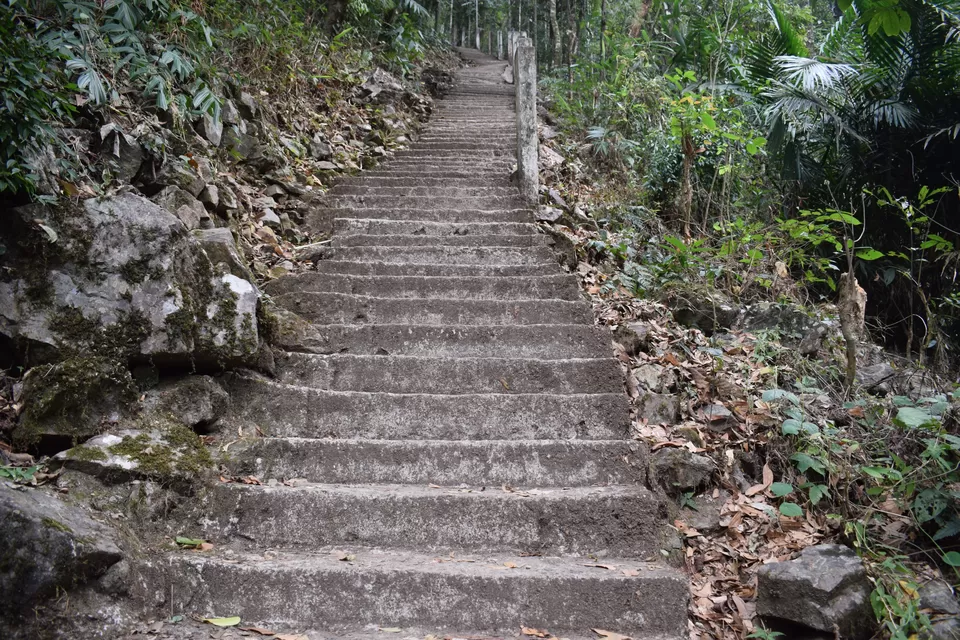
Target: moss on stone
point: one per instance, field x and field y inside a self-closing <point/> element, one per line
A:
<point x="50" y="523"/>
<point x="86" y="454"/>
<point x="179" y="452"/>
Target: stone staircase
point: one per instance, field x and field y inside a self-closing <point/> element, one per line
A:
<point x="459" y="437"/>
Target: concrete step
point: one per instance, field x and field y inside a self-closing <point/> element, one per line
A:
<point x="422" y="202"/>
<point x="474" y="175"/>
<point x="346" y="267"/>
<point x="458" y="240"/>
<point x="493" y="463"/>
<point x="554" y="287"/>
<point x="347" y="226"/>
<point x="446" y="375"/>
<point x="282" y="410"/>
<point x="417" y="191"/>
<point x="471" y="181"/>
<point x="613" y="520"/>
<point x="341" y="308"/>
<point x="402" y="589"/>
<point x="429" y="215"/>
<point x="546" y="342"/>
<point x="444" y="255"/>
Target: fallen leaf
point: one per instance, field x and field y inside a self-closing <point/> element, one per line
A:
<point x="223" y="622"/>
<point x="631" y="573"/>
<point x="602" y="566"/>
<point x="205" y="546"/>
<point x="189" y="543"/>
<point x="610" y="635"/>
<point x="294" y="636"/>
<point x="391" y="629"/>
<point x="263" y="632"/>
<point x="536" y="633"/>
<point x="510" y="565"/>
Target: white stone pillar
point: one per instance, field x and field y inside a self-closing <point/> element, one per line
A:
<point x="525" y="82"/>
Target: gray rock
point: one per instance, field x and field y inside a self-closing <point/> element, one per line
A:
<point x="706" y="311"/>
<point x="271" y="219"/>
<point x="658" y="408"/>
<point x="229" y="114"/>
<point x="678" y="470"/>
<point x="248" y="107"/>
<point x="194" y="401"/>
<point x="634" y="337"/>
<point x="938" y="596"/>
<point x="813" y="339"/>
<point x="130" y="269"/>
<point x="180" y="203"/>
<point x="651" y="377"/>
<point x="191" y="175"/>
<point x="380" y="87"/>
<point x="173" y="455"/>
<point x="122" y="151"/>
<point x="210" y="196"/>
<point x="548" y="214"/>
<point x="211" y="128"/>
<point x="879" y="377"/>
<point x="825" y="588"/>
<point x="717" y="415"/>
<point x="706" y="517"/>
<point x="42" y="160"/>
<point x="221" y="249"/>
<point x="948" y="629"/>
<point x="240" y="143"/>
<point x="275" y="190"/>
<point x="228" y="200"/>
<point x="47" y="546"/>
<point x="319" y="148"/>
<point x="557" y="199"/>
<point x="788" y="319"/>
<point x="326" y="166"/>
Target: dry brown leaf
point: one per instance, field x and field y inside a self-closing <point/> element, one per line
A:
<point x="608" y="567"/>
<point x="610" y="635"/>
<point x="290" y="636"/>
<point x="536" y="633"/>
<point x="631" y="573"/>
<point x="510" y="565"/>
<point x="767" y="475"/>
<point x="262" y="632"/>
<point x="205" y="546"/>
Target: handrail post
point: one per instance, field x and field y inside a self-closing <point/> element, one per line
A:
<point x="525" y="81"/>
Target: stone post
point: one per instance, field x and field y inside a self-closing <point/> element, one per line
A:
<point x="499" y="44"/>
<point x="511" y="37"/>
<point x="525" y="81"/>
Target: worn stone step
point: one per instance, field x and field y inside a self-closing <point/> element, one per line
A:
<point x="457" y="240"/>
<point x="446" y="375"/>
<point x="552" y="287"/>
<point x="283" y="410"/>
<point x="442" y="173"/>
<point x="547" y="342"/>
<point x="482" y="145"/>
<point x="613" y="520"/>
<point x="388" y="589"/>
<point x="444" y="191"/>
<point x="394" y="269"/>
<point x="467" y="182"/>
<point x="424" y="202"/>
<point x="341" y="308"/>
<point x="466" y="156"/>
<point x="348" y="226"/>
<point x="445" y="255"/>
<point x="427" y="215"/>
<point x="493" y="463"/>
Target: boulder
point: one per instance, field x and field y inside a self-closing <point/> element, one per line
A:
<point x="47" y="546"/>
<point x="825" y="588"/>
<point x="658" y="408"/>
<point x="195" y="401"/>
<point x="249" y="108"/>
<point x="937" y="596"/>
<point x="211" y="128"/>
<point x="180" y="203"/>
<point x="381" y="88"/>
<point x="319" y="148"/>
<point x="707" y="311"/>
<point x="634" y="337"/>
<point x="877" y="378"/>
<point x="546" y="213"/>
<point x="652" y="377"/>
<point x="210" y="196"/>
<point x="678" y="470"/>
<point x="222" y="251"/>
<point x="126" y="279"/>
<point x="122" y="151"/>
<point x="241" y="144"/>
<point x="191" y="175"/>
<point x="229" y="114"/>
<point x="172" y="455"/>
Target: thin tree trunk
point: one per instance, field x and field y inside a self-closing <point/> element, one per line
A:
<point x="476" y="20"/>
<point x="686" y="186"/>
<point x="556" y="41"/>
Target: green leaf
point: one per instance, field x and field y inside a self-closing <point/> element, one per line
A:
<point x="223" y="622"/>
<point x="189" y="542"/>
<point x="952" y="558"/>
<point x="817" y="492"/>
<point x="791" y="510"/>
<point x="708" y="122"/>
<point x="914" y="418"/>
<point x="844" y="4"/>
<point x="806" y="462"/>
<point x="790" y="427"/>
<point x="773" y="395"/>
<point x="869" y="254"/>
<point x="781" y="489"/>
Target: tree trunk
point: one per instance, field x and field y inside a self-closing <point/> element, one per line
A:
<point x="686" y="186"/>
<point x="476" y="21"/>
<point x="556" y="41"/>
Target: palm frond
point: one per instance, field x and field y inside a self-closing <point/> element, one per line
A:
<point x="812" y="75"/>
